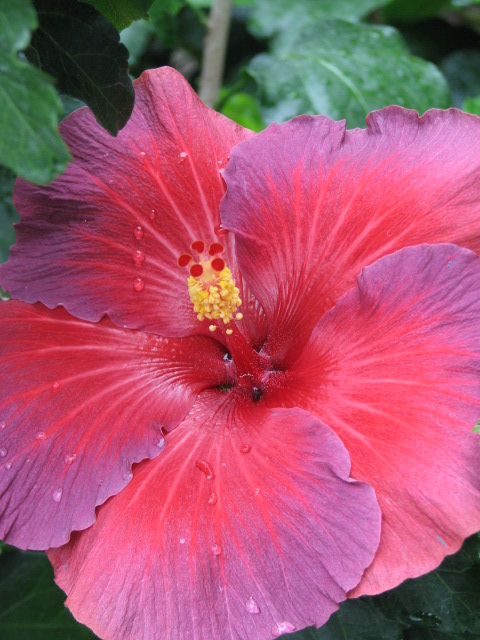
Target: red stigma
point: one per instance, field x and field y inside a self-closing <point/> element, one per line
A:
<point x="218" y="264"/>
<point x="198" y="246"/>
<point x="214" y="248"/>
<point x="196" y="270"/>
<point x="184" y="259"/>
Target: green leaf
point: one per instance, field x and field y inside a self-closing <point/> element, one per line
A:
<point x="413" y="10"/>
<point x="476" y="428"/>
<point x="121" y="13"/>
<point x="446" y="600"/>
<point x="136" y="38"/>
<point x="8" y="213"/>
<point x="81" y="49"/>
<point x="30" y="144"/>
<point x="270" y="17"/>
<point x="361" y="619"/>
<point x="345" y="70"/>
<point x="32" y="605"/>
<point x="243" y="108"/>
<point x="462" y="70"/>
<point x="17" y="20"/>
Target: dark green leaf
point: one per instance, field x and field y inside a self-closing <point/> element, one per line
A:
<point x="30" y="144"/>
<point x="345" y="70"/>
<point x="121" y="13"/>
<point x="81" y="49"/>
<point x="362" y="620"/>
<point x="270" y="17"/>
<point x="462" y="70"/>
<point x="413" y="10"/>
<point x="32" y="606"/>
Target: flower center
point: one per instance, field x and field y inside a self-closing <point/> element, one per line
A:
<point x="214" y="296"/>
<point x="211" y="286"/>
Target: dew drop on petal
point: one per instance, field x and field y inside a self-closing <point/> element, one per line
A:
<point x="224" y="464"/>
<point x="183" y="154"/>
<point x="279" y="628"/>
<point x="220" y="231"/>
<point x="138" y="284"/>
<point x="40" y="435"/>
<point x="206" y="468"/>
<point x="138" y="233"/>
<point x="3" y="425"/>
<point x="142" y="153"/>
<point x="252" y="606"/>
<point x="8" y="466"/>
<point x="56" y="386"/>
<point x="246" y="448"/>
<point x="212" y="499"/>
<point x="138" y="256"/>
<point x="3" y="452"/>
<point x="220" y="171"/>
<point x="128" y="475"/>
<point x="216" y="550"/>
<point x="70" y="457"/>
<point x="153" y="214"/>
<point x="182" y="540"/>
<point x="257" y="491"/>
<point x="161" y="443"/>
<point x="57" y="494"/>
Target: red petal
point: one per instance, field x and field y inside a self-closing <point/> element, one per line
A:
<point x="79" y="403"/>
<point x="394" y="369"/>
<point x="208" y="541"/>
<point x="153" y="189"/>
<point x="311" y="205"/>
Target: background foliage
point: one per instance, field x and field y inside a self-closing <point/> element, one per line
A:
<point x="341" y="58"/>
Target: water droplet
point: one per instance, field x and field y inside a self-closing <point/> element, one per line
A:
<point x="55" y="386"/>
<point x="110" y="182"/>
<point x="70" y="457"/>
<point x="252" y="606"/>
<point x="40" y="435"/>
<point x="152" y="215"/>
<point x="138" y="284"/>
<point x="8" y="466"/>
<point x="138" y="233"/>
<point x="57" y="494"/>
<point x="183" y="154"/>
<point x="220" y="162"/>
<point x="128" y="475"/>
<point x="161" y="443"/>
<point x="3" y="425"/>
<point x="279" y="628"/>
<point x="182" y="540"/>
<point x="106" y="154"/>
<point x="142" y="153"/>
<point x="224" y="464"/>
<point x="138" y="256"/>
<point x="220" y="171"/>
<point x="216" y="550"/>
<point x="3" y="452"/>
<point x="206" y="468"/>
<point x="246" y="448"/>
<point x="212" y="499"/>
<point x="257" y="491"/>
<point x="220" y="231"/>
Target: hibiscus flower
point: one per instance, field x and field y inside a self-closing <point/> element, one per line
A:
<point x="195" y="351"/>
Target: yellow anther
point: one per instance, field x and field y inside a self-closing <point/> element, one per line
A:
<point x="229" y="331"/>
<point x="214" y="294"/>
<point x="239" y="316"/>
<point x="212" y="328"/>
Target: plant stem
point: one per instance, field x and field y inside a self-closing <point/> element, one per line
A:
<point x="214" y="52"/>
